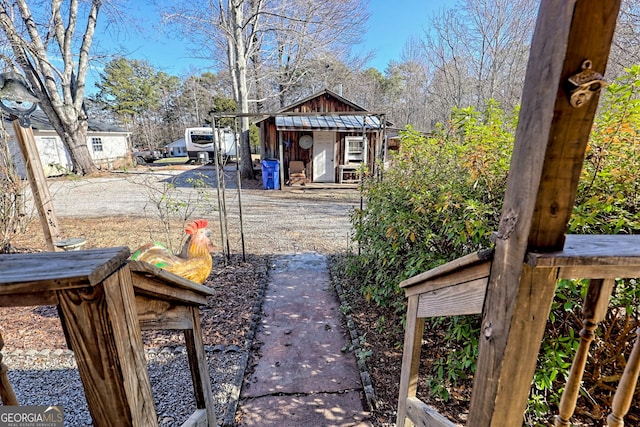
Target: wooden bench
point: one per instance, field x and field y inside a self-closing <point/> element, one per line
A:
<point x="104" y="301"/>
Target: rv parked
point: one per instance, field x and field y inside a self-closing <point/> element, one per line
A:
<point x="200" y="143"/>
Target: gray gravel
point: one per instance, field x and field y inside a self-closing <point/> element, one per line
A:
<point x="52" y="377"/>
<point x="273" y="222"/>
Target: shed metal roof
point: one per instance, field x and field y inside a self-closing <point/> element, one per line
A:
<point x="344" y="123"/>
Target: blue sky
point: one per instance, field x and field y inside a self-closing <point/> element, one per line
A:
<point x="391" y="24"/>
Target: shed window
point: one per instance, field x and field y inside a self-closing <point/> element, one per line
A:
<point x="96" y="143"/>
<point x="355" y="149"/>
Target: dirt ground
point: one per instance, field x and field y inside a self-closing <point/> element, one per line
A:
<point x="262" y="221"/>
<point x="153" y="204"/>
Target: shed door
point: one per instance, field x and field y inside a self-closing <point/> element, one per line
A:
<point x="323" y="153"/>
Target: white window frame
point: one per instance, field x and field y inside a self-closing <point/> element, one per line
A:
<point x="97" y="144"/>
<point x="356" y="156"/>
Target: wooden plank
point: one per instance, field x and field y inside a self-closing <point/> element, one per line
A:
<point x="599" y="272"/>
<point x="548" y="154"/>
<point x="29" y="299"/>
<point x="36" y="272"/>
<point x="174" y="280"/>
<point x="199" y="368"/>
<point x="104" y="334"/>
<point x="156" y="314"/>
<point x="197" y="419"/>
<point x="467" y="274"/>
<point x="410" y="360"/>
<point x="458" y="300"/>
<point x="157" y="288"/>
<point x="422" y="414"/>
<point x="38" y="183"/>
<point x="449" y="268"/>
<point x="591" y="250"/>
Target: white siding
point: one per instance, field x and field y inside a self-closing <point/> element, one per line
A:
<point x="55" y="158"/>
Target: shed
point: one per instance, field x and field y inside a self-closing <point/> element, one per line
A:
<point x="333" y="137"/>
<point x="108" y="145"/>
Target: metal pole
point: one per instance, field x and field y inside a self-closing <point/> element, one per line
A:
<point x="220" y="195"/>
<point x="238" y="178"/>
<point x="221" y="179"/>
<point x="281" y="154"/>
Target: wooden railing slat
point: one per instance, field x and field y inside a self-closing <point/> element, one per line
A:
<point x="594" y="310"/>
<point x="466" y="298"/>
<point x="624" y="393"/>
<point x="422" y="414"/>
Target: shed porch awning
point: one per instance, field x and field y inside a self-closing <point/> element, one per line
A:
<point x="338" y="123"/>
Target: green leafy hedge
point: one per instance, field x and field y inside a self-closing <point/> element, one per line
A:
<point x="441" y="199"/>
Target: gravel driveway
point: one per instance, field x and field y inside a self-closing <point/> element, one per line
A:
<point x="289" y="221"/>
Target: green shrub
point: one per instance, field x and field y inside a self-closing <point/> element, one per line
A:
<point x="441" y="199"/>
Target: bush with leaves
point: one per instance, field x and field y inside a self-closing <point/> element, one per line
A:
<point x="441" y="199"/>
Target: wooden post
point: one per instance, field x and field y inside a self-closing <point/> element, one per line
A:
<point x="38" y="183"/>
<point x="624" y="393"/>
<point x="114" y="374"/>
<point x="7" y="395"/>
<point x="549" y="151"/>
<point x="411" y="359"/>
<point x="199" y="368"/>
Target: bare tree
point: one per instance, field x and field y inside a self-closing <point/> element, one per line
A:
<point x="302" y="34"/>
<point x="34" y="41"/>
<point x="479" y="51"/>
<point x="625" y="51"/>
<point x="269" y="46"/>
<point x="230" y="27"/>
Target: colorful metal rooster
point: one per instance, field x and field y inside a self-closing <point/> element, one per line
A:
<point x="193" y="263"/>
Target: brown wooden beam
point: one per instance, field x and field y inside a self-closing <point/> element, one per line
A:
<point x="548" y="154"/>
<point x="590" y="38"/>
<point x="38" y="182"/>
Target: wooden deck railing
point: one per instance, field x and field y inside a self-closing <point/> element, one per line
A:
<point x="459" y="287"/>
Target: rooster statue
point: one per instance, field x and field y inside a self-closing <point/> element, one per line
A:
<point x="193" y="263"/>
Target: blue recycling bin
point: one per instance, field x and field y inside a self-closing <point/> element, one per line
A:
<point x="270" y="174"/>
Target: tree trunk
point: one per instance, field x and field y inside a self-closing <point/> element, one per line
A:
<point x="61" y="92"/>
<point x="240" y="68"/>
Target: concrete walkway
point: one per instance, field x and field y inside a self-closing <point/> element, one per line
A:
<point x="302" y="378"/>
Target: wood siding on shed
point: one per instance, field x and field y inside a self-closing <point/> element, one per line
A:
<point x="323" y="103"/>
